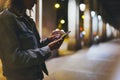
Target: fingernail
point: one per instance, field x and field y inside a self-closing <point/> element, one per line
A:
<point x="56" y="29"/>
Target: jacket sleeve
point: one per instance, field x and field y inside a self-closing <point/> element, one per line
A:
<point x="11" y="51"/>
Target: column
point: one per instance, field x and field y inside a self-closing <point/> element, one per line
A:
<point x="39" y="17"/>
<point x="73" y="25"/>
<point x="87" y="24"/>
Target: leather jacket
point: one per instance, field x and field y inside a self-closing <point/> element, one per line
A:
<point x="22" y="53"/>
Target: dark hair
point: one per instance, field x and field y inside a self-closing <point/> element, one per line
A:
<point x="17" y="3"/>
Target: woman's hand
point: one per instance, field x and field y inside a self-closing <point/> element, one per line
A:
<point x="56" y="34"/>
<point x="55" y="44"/>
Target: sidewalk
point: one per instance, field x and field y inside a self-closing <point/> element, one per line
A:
<point x="100" y="62"/>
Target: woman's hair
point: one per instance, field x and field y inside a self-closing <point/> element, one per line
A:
<point x="18" y="4"/>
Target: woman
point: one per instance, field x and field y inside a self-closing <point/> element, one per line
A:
<point x="22" y="54"/>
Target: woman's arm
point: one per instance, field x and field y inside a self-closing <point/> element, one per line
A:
<point x="11" y="49"/>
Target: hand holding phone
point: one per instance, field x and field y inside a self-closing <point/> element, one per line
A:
<point x="57" y="43"/>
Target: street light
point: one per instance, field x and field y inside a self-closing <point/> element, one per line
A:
<point x="82" y="7"/>
<point x="92" y="13"/>
<point x="99" y="17"/>
<point x="62" y="21"/>
<point x="83" y="16"/>
<point x="57" y="5"/>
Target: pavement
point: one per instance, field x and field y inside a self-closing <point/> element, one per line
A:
<point x="99" y="62"/>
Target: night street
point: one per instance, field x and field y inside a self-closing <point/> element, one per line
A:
<point x="82" y="38"/>
<point x="99" y="62"/>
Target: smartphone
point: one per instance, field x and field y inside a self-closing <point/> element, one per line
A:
<point x="64" y="35"/>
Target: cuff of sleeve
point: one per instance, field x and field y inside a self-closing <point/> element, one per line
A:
<point x="46" y="50"/>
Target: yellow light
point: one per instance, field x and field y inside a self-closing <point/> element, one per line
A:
<point x="62" y="21"/>
<point x="57" y="5"/>
<point x="83" y="16"/>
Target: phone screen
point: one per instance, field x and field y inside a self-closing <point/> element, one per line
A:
<point x="64" y="35"/>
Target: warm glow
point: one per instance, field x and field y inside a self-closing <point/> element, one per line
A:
<point x="57" y="5"/>
<point x="83" y="16"/>
<point x="81" y="28"/>
<point x="82" y="7"/>
<point x="62" y="21"/>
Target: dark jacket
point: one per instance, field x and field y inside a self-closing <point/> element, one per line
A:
<point x="22" y="54"/>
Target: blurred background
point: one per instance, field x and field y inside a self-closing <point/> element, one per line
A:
<point x="91" y="22"/>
